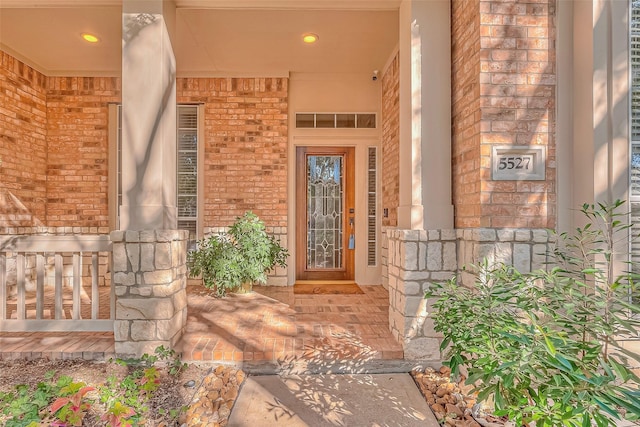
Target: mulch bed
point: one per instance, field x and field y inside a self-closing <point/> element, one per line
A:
<point x="208" y="393"/>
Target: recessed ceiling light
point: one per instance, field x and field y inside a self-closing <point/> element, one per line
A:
<point x="310" y="38"/>
<point x="90" y="38"/>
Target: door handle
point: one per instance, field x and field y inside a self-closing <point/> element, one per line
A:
<point x="352" y="238"/>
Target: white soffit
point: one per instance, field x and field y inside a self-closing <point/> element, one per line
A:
<point x="222" y="4"/>
<point x="50" y="39"/>
<point x="234" y="41"/>
<point x="241" y="41"/>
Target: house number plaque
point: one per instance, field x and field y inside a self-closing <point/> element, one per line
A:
<point x="518" y="163"/>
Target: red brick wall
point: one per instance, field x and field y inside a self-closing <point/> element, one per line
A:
<point x="517" y="95"/>
<point x="246" y="125"/>
<point x="77" y="136"/>
<point x="391" y="142"/>
<point x="503" y="94"/>
<point x="54" y="136"/>
<point x="465" y="81"/>
<point x="23" y="153"/>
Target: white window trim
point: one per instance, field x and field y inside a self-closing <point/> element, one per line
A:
<point x="113" y="167"/>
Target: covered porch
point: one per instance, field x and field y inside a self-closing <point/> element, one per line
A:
<point x="94" y="146"/>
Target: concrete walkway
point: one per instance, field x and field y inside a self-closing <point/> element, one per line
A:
<point x="363" y="400"/>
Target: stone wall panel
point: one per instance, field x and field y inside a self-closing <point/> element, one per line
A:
<point x="143" y="330"/>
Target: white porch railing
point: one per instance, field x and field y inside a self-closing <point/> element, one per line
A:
<point x="44" y="287"/>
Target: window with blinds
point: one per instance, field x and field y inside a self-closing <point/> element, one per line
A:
<point x="634" y="178"/>
<point x="634" y="199"/>
<point x="635" y="69"/>
<point x="372" y="200"/>
<point x="187" y="168"/>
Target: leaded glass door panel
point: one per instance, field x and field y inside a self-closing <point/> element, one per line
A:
<point x="325" y="213"/>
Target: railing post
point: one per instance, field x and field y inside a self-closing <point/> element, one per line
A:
<point x="39" y="285"/>
<point x="58" y="285"/>
<point x="3" y="286"/>
<point x="95" y="293"/>
<point x="77" y="285"/>
<point x="21" y="284"/>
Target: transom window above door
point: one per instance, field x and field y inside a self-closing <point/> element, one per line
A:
<point x="336" y="120"/>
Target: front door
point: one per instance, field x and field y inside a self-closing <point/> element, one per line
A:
<point x="325" y="213"/>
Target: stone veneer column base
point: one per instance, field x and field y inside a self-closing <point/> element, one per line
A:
<point x="150" y="277"/>
<point x="416" y="258"/>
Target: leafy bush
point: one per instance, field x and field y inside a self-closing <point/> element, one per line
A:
<point x="123" y="401"/>
<point x="244" y="254"/>
<point x="127" y="399"/>
<point x="119" y="415"/>
<point x="543" y="345"/>
<point x="71" y="409"/>
<point x="26" y="407"/>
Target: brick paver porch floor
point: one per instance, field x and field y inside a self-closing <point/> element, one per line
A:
<point x="269" y="325"/>
<point x="274" y="324"/>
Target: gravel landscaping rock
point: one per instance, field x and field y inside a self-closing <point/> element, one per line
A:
<point x="453" y="403"/>
<point x="212" y="403"/>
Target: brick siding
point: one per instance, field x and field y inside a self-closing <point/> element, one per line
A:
<point x="77" y="137"/>
<point x="465" y="80"/>
<point x="53" y="131"/>
<point x="54" y="136"/>
<point x="245" y="134"/>
<point x="518" y="106"/>
<point x="391" y="142"/>
<point x="23" y="153"/>
<point x="504" y="94"/>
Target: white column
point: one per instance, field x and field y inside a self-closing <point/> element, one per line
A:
<point x="611" y="110"/>
<point x="593" y="110"/>
<point x="425" y="115"/>
<point x="148" y="160"/>
<point x="611" y="99"/>
<point x="565" y="114"/>
<point x="593" y="106"/>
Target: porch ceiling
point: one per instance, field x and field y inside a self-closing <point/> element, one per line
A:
<point x="213" y="37"/>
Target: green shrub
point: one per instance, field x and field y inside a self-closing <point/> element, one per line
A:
<point x="244" y="254"/>
<point x="543" y="345"/>
<point x="25" y="407"/>
<point x="71" y="409"/>
<point x="122" y="401"/>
